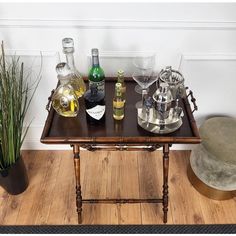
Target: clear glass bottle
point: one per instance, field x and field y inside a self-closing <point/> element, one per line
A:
<point x="64" y="100"/>
<point x="118" y="103"/>
<point x="63" y="72"/>
<point x="121" y="79"/>
<point x="66" y="75"/>
<point x="96" y="73"/>
<point x="95" y="105"/>
<point x="68" y="50"/>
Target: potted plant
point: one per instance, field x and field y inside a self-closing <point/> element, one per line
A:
<point x="15" y="97"/>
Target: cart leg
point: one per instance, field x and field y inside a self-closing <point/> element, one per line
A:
<point x="165" y="180"/>
<point x="76" y="151"/>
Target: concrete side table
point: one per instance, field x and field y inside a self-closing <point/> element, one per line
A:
<point x="212" y="169"/>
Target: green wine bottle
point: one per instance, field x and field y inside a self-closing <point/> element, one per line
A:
<point x="96" y="73"/>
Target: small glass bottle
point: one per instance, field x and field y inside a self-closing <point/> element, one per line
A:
<point x="64" y="100"/>
<point x="96" y="73"/>
<point x="118" y="103"/>
<point x="121" y="79"/>
<point x="66" y="75"/>
<point x="68" y="50"/>
<point x="95" y="105"/>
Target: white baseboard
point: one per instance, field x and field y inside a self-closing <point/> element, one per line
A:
<point x="36" y="145"/>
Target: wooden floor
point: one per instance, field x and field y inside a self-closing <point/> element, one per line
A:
<point x="50" y="197"/>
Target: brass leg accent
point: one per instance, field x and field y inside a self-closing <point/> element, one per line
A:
<point x="76" y="152"/>
<point x="165" y="180"/>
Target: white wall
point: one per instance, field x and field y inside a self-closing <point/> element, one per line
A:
<point x="204" y="33"/>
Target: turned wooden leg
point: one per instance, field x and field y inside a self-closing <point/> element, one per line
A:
<point x="76" y="152"/>
<point x="165" y="180"/>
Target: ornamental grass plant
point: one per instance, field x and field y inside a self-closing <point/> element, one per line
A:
<point x="16" y="94"/>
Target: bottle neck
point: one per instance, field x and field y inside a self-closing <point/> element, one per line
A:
<point x="94" y="92"/>
<point x="118" y="94"/>
<point x="70" y="60"/>
<point x="95" y="61"/>
<point x="120" y="79"/>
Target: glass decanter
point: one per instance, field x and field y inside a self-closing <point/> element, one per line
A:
<point x="66" y="75"/>
<point x="68" y="50"/>
<point x="65" y="100"/>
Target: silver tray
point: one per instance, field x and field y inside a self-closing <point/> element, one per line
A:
<point x="169" y="125"/>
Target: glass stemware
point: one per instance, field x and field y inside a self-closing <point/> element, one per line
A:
<point x="144" y="64"/>
<point x="144" y="81"/>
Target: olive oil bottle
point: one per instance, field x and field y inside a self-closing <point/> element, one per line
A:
<point x="118" y="103"/>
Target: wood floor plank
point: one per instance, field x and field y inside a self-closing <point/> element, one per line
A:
<point x="229" y="211"/>
<point x="47" y="189"/>
<point x="150" y="182"/>
<point x="129" y="214"/>
<point x="70" y="215"/>
<point x="152" y="213"/>
<point x="127" y="178"/>
<point x="150" y="174"/>
<point x="37" y="172"/>
<point x="58" y="210"/>
<point x="217" y="211"/>
<point x="100" y="214"/>
<point x="12" y="206"/>
<point x="4" y="205"/>
<point x="95" y="180"/>
<point x="213" y="211"/>
<point x="111" y="175"/>
<point x="181" y="193"/>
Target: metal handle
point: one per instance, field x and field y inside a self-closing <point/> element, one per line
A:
<point x="49" y="100"/>
<point x="193" y="100"/>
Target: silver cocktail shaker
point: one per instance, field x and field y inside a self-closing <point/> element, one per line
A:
<point x="162" y="102"/>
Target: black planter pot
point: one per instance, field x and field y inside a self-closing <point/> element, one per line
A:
<point x="15" y="179"/>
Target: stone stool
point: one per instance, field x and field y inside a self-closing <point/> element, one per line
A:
<point x="212" y="169"/>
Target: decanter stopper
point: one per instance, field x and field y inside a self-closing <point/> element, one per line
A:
<point x="68" y="45"/>
<point x="63" y="73"/>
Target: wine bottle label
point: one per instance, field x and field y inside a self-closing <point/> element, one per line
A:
<point x="97" y="112"/>
<point x="118" y="111"/>
<point x="100" y="85"/>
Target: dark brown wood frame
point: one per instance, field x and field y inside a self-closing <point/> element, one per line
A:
<point x="123" y="143"/>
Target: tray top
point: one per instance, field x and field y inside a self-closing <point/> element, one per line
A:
<point x="61" y="130"/>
